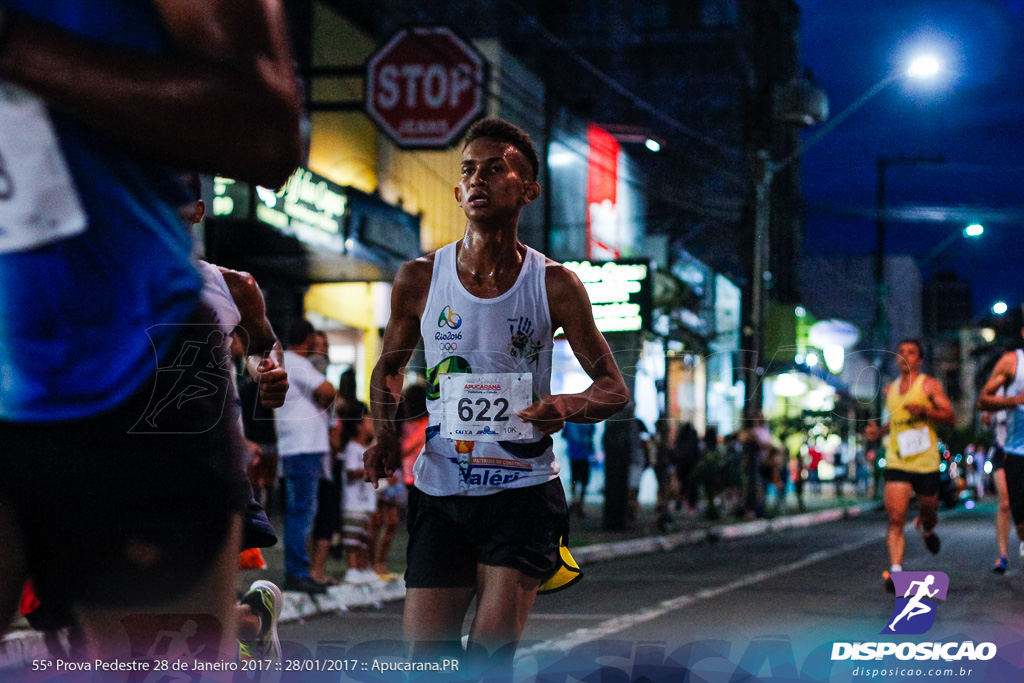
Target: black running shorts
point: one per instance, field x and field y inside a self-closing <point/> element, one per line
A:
<point x="131" y="506"/>
<point x="1014" y="468"/>
<point x="924" y="484"/>
<point x="998" y="459"/>
<point x="450" y="535"/>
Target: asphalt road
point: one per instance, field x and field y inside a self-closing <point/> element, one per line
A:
<point x="766" y="608"/>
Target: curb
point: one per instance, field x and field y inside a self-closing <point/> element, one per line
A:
<point x="298" y="606"/>
<point x="601" y="552"/>
<point x="23" y="646"/>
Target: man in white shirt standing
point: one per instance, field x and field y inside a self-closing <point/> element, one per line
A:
<point x="302" y="441"/>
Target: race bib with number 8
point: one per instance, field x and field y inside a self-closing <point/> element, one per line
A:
<point x="913" y="441"/>
<point x="38" y="200"/>
<point x="484" y="407"/>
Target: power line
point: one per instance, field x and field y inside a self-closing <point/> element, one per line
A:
<point x="619" y="88"/>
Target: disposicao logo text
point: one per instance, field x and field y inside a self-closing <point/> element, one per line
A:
<point x="917" y="594"/>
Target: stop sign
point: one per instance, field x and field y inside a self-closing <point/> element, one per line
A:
<point x="425" y="86"/>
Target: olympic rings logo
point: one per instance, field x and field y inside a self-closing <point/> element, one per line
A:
<point x="448" y="346"/>
<point x="449" y="318"/>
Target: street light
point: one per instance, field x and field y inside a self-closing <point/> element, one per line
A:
<point x="972" y="231"/>
<point x="768" y="169"/>
<point x="925" y="65"/>
<point x="999" y="307"/>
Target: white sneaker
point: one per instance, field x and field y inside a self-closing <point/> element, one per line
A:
<point x="359" y="576"/>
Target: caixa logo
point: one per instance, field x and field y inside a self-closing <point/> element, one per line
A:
<point x="917" y="594"/>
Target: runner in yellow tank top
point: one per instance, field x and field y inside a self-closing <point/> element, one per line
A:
<point x="916" y="403"/>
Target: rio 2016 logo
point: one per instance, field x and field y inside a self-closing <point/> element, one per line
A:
<point x="449" y="318"/>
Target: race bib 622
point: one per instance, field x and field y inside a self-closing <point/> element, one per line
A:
<point x="484" y="407"/>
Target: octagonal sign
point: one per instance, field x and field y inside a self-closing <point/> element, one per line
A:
<point x="425" y="86"/>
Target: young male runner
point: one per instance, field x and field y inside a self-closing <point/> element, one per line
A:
<point x="487" y="509"/>
<point x="916" y="403"/>
<point x="117" y="495"/>
<point x="1004" y="391"/>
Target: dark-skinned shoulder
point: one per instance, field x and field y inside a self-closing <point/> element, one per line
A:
<point x="412" y="284"/>
<point x="242" y="285"/>
<point x="565" y="291"/>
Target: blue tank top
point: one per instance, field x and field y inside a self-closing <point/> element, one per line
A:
<point x="1015" y="416"/>
<point x="83" y="320"/>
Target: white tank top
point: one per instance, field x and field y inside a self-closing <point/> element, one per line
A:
<point x="510" y="333"/>
<point x="999" y="420"/>
<point x="1015" y="416"/>
<point x="216" y="295"/>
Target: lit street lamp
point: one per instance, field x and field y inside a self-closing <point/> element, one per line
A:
<point x="999" y="307"/>
<point x="972" y="231"/>
<point x="768" y="169"/>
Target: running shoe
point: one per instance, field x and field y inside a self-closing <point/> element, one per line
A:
<point x="931" y="539"/>
<point x="890" y="587"/>
<point x="265" y="599"/>
<point x="1000" y="566"/>
<point x="932" y="542"/>
<point x="360" y="576"/>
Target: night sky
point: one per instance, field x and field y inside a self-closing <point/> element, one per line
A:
<point x="971" y="113"/>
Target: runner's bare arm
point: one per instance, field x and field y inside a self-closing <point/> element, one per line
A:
<point x="256" y="336"/>
<point x="226" y="102"/>
<point x="941" y="410"/>
<point x="570" y="310"/>
<point x="254" y="326"/>
<point x="408" y="297"/>
<point x="1002" y="376"/>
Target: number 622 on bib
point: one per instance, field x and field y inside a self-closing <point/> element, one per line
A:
<point x="485" y="407"/>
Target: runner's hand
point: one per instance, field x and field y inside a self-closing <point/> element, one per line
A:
<point x="273" y="382"/>
<point x="263" y="468"/>
<point x="545" y="415"/>
<point x="917" y="409"/>
<point x="382" y="458"/>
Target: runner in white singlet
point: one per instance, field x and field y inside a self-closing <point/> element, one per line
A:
<point x="487" y="510"/>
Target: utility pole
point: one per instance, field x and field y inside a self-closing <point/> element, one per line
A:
<point x="880" y="327"/>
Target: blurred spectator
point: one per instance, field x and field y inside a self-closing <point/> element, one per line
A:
<point x="360" y="497"/>
<point x="303" y="425"/>
<point x="687" y="454"/>
<point x="664" y="467"/>
<point x="639" y="461"/>
<point x="579" y="441"/>
<point x="815" y="457"/>
<point x="756" y="441"/>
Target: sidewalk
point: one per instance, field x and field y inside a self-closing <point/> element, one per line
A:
<point x="589" y="544"/>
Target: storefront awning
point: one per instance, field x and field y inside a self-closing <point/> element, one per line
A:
<point x="311" y="230"/>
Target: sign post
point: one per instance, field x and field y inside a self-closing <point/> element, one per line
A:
<point x="424" y="87"/>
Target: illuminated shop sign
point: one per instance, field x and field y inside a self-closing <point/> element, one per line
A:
<point x="603" y="210"/>
<point x="308" y="207"/>
<point x="620" y="293"/>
